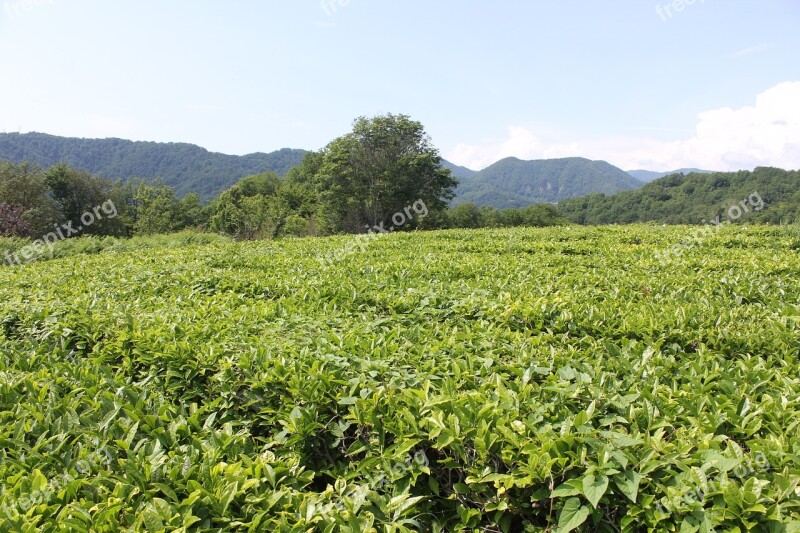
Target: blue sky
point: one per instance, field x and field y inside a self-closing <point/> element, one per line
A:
<point x="642" y="84"/>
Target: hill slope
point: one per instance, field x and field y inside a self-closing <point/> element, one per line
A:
<point x="695" y="199"/>
<point x="512" y="182"/>
<point x="186" y="167"/>
<point x="649" y="175"/>
<point x="459" y="172"/>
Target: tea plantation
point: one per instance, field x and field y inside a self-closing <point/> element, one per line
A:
<point x="503" y="380"/>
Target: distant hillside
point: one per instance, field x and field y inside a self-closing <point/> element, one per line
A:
<point x="512" y="182"/>
<point x="648" y="175"/>
<point x="695" y="199"/>
<point x="461" y="173"/>
<point x="186" y="167"/>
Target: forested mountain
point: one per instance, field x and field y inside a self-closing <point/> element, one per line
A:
<point x="649" y="175"/>
<point x="185" y="167"/>
<point x="512" y="182"/>
<point x="459" y="172"/>
<point x="696" y="199"/>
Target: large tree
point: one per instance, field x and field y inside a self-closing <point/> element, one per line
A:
<point x="23" y="189"/>
<point x="78" y="196"/>
<point x="251" y="209"/>
<point x="386" y="164"/>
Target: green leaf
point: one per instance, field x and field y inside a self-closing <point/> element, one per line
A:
<point x="167" y="490"/>
<point x="461" y="488"/>
<point x="349" y="400"/>
<point x="733" y="497"/>
<point x="594" y="487"/>
<point x="400" y="504"/>
<point x="38" y="481"/>
<point x="573" y="514"/>
<point x="570" y="488"/>
<point x="433" y="485"/>
<point x="628" y="484"/>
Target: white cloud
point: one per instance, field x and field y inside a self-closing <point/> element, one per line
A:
<point x="767" y="134"/>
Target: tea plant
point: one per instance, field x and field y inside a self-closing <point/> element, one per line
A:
<point x="510" y="380"/>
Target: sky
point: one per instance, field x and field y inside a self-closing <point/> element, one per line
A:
<point x="643" y="84"/>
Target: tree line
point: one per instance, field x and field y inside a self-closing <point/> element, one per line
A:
<point x="354" y="184"/>
<point x="694" y="198"/>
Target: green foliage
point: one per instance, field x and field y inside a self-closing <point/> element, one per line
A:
<point x="469" y="215"/>
<point x="259" y="207"/>
<point x="296" y="226"/>
<point x="459" y="172"/>
<point x="61" y="195"/>
<point x="23" y="186"/>
<point x="184" y="167"/>
<point x="11" y="247"/>
<point x="465" y="216"/>
<point x="558" y="379"/>
<point x="155" y="209"/>
<point x="74" y="192"/>
<point x="515" y="183"/>
<point x="385" y="164"/>
<point x="646" y="176"/>
<point x="191" y="213"/>
<point x="695" y="199"/>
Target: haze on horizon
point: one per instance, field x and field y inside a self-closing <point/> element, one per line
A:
<point x="652" y="85"/>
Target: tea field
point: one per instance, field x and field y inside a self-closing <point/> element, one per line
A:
<point x="551" y="379"/>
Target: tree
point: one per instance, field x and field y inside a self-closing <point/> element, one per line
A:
<point x="541" y="215"/>
<point x="190" y="212"/>
<point x="251" y="208"/>
<point x="466" y="215"/>
<point x="156" y="209"/>
<point x="23" y="186"/>
<point x="265" y="184"/>
<point x="79" y="196"/>
<point x="384" y="165"/>
<point x="76" y="192"/>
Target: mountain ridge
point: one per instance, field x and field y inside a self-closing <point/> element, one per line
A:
<point x="510" y="182"/>
<point x="185" y="167"/>
<point x="513" y="182"/>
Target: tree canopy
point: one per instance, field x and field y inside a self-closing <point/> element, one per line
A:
<point x="695" y="199"/>
<point x="384" y="165"/>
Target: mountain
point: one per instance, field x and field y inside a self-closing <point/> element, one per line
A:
<point x="764" y="195"/>
<point x="185" y="167"/>
<point x="512" y="182"/>
<point x="460" y="173"/>
<point x="649" y="175"/>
